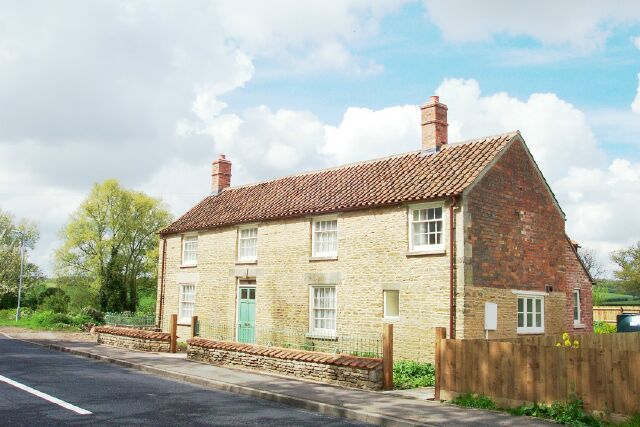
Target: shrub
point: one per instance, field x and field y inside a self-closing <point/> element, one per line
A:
<point x="600" y="327"/>
<point x="570" y="413"/>
<point x="58" y="302"/>
<point x="93" y="314"/>
<point x="411" y="374"/>
<point x="474" y="401"/>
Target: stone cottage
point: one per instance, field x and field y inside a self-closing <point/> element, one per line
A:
<point x="468" y="236"/>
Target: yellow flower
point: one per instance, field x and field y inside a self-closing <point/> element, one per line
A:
<point x="567" y="343"/>
<point x="558" y="345"/>
<point x="576" y="343"/>
<point x="565" y="336"/>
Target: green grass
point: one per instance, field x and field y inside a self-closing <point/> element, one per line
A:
<point x="44" y="320"/>
<point x="569" y="413"/>
<point x="474" y="401"/>
<point x="409" y="374"/>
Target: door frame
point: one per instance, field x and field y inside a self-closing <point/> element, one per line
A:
<point x="249" y="284"/>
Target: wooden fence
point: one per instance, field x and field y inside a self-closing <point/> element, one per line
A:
<point x="604" y="373"/>
<point x="608" y="313"/>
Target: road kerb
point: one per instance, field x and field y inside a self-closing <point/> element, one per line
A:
<point x="310" y="405"/>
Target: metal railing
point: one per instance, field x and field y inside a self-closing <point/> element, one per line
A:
<point x="363" y="345"/>
<point x="130" y="319"/>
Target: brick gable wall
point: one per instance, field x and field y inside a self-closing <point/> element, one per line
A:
<point x="515" y="239"/>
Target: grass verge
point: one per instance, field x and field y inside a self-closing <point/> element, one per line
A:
<point x="570" y="413"/>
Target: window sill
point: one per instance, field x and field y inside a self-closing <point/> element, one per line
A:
<point x="321" y="337"/>
<point x="429" y="252"/>
<point x="323" y="258"/>
<point x="530" y="332"/>
<point x="188" y="265"/>
<point x="247" y="262"/>
<point x="183" y="324"/>
<point x="579" y="326"/>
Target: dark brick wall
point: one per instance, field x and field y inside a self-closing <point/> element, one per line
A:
<point x="515" y="235"/>
<point x="577" y="279"/>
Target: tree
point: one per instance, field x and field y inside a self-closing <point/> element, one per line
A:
<point x="10" y="259"/>
<point x="592" y="263"/>
<point x="110" y="241"/>
<point x="628" y="261"/>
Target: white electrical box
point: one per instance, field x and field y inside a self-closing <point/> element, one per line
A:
<point x="490" y="316"/>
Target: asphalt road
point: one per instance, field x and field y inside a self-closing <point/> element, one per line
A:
<point x="118" y="396"/>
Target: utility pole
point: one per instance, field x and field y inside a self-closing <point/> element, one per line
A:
<point x="21" y="233"/>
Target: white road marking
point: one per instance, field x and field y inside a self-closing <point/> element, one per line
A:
<point x="45" y="396"/>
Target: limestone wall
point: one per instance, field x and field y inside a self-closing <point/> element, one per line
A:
<point x="133" y="339"/>
<point x="347" y="371"/>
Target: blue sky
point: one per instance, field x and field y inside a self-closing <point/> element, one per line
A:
<point x="150" y="92"/>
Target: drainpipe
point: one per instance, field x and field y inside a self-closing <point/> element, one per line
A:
<point x="162" y="274"/>
<point x="452" y="332"/>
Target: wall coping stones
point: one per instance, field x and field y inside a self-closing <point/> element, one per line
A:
<point x="367" y="363"/>
<point x="133" y="333"/>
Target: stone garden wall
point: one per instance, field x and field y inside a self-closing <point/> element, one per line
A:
<point x="349" y="371"/>
<point x="133" y="339"/>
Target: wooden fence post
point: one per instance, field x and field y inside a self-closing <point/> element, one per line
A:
<point x="387" y="356"/>
<point x="173" y="330"/>
<point x="194" y="326"/>
<point x="441" y="334"/>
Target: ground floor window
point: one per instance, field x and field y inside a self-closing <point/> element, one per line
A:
<point x="187" y="303"/>
<point x="391" y="302"/>
<point x="577" y="320"/>
<point x="530" y="314"/>
<point x="323" y="309"/>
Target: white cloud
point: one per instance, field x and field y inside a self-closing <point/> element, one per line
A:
<point x="636" y="42"/>
<point x="98" y="90"/>
<point x="635" y="105"/>
<point x="557" y="133"/>
<point x="571" y="22"/>
<point x="364" y="134"/>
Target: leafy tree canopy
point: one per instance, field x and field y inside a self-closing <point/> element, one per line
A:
<point x="10" y="242"/>
<point x="628" y="261"/>
<point x="112" y="241"/>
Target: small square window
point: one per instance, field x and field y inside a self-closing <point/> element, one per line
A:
<point x="426" y="228"/>
<point x="391" y="304"/>
<point x="530" y="314"/>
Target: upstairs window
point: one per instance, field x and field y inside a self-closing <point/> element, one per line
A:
<point x="325" y="238"/>
<point x="425" y="228"/>
<point x="577" y="315"/>
<point x="530" y="314"/>
<point x="189" y="250"/>
<point x="248" y="244"/>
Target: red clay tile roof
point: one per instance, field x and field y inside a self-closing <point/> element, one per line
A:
<point x="417" y="175"/>
<point x="289" y="354"/>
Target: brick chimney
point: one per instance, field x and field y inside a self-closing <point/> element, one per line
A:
<point x="220" y="174"/>
<point x="434" y="124"/>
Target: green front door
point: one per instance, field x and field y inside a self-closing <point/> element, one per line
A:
<point x="246" y="314"/>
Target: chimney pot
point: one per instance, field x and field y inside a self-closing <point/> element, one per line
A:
<point x="220" y="174"/>
<point x="434" y="124"/>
